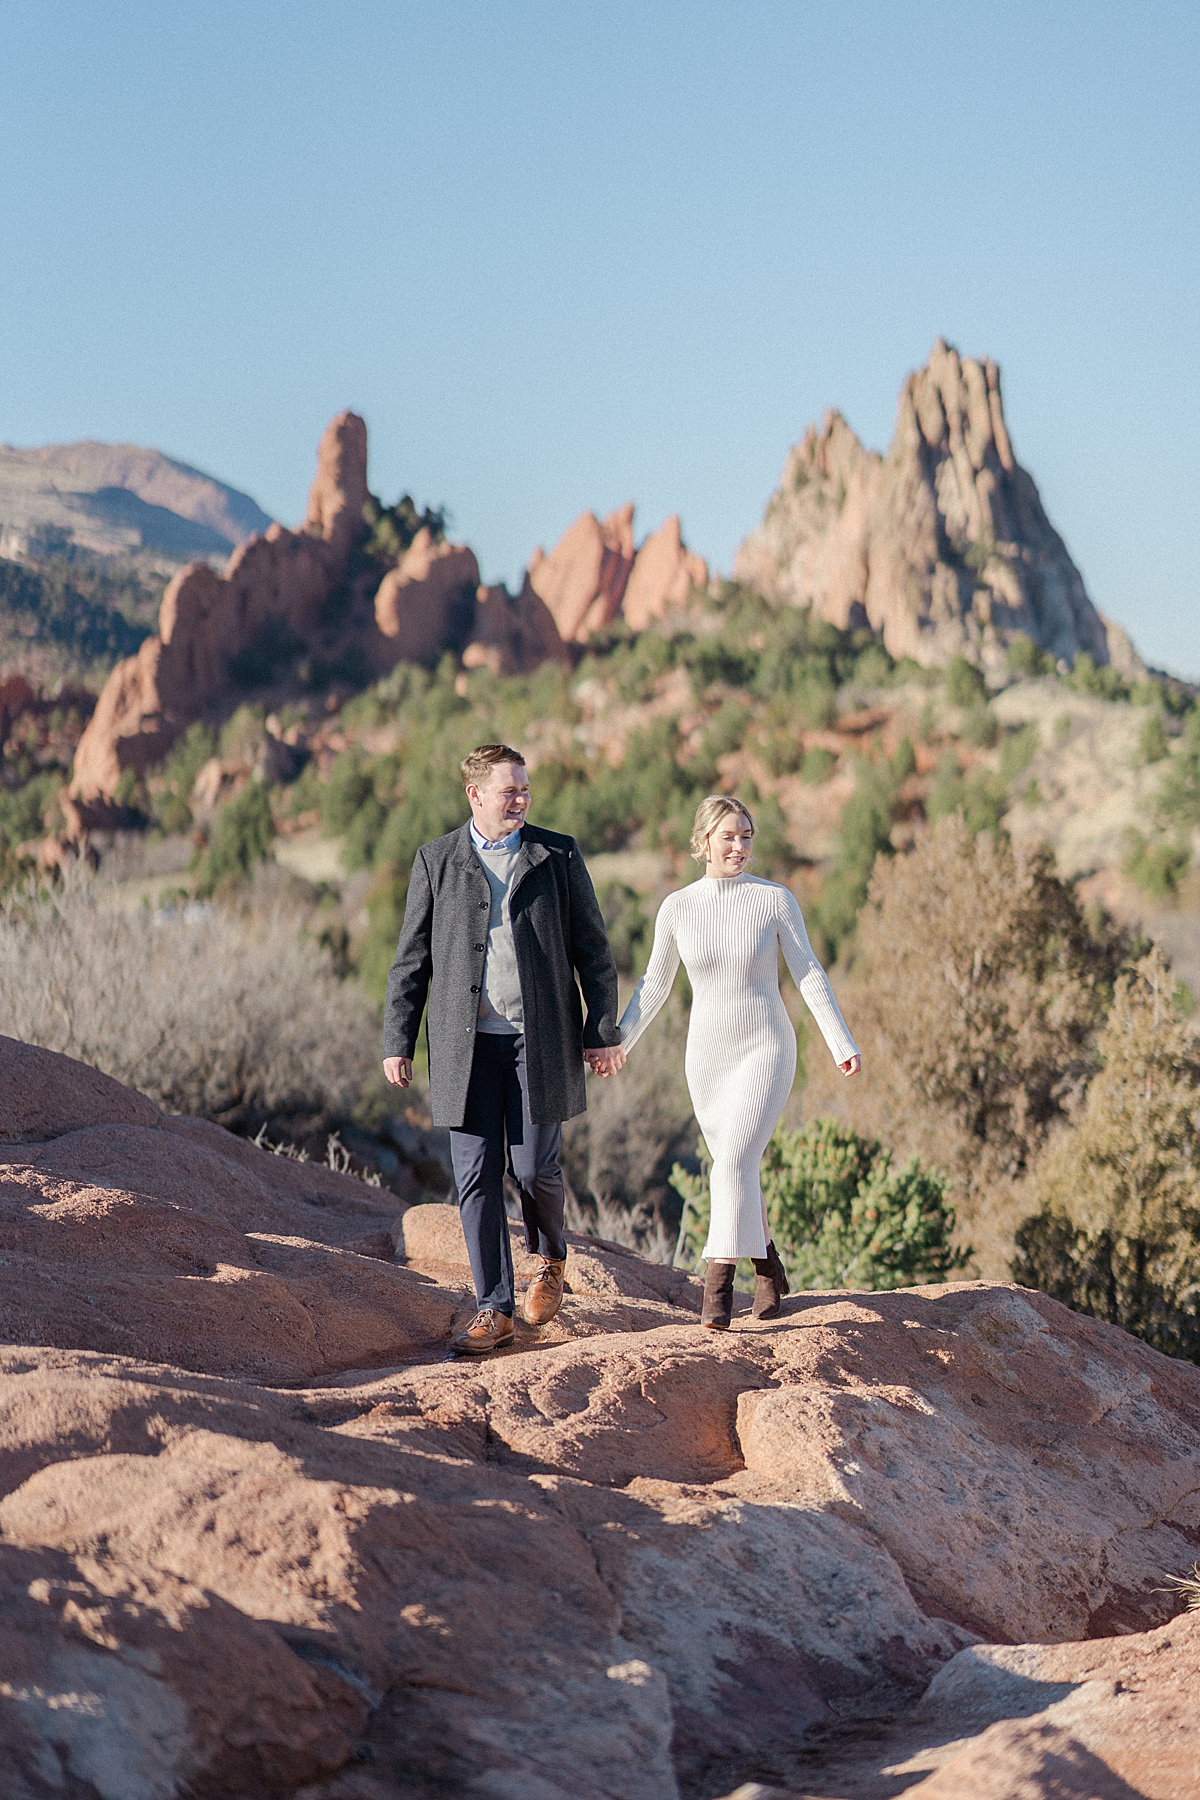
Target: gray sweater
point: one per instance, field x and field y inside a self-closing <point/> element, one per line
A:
<point x="500" y="1007"/>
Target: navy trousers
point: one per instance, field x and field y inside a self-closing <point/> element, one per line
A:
<point x="496" y="1117"/>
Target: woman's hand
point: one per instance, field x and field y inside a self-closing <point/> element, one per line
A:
<point x="852" y="1067"/>
<point x="605" y="1062"/>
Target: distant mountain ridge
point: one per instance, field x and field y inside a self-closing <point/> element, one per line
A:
<point x="118" y="499"/>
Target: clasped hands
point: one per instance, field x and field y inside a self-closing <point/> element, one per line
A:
<point x="398" y="1069"/>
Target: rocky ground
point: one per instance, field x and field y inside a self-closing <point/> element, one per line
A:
<point x="258" y="1537"/>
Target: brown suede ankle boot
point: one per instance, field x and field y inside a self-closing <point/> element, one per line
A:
<point x="770" y="1284"/>
<point x="717" y="1309"/>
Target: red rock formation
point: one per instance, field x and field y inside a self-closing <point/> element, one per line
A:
<point x="339" y="492"/>
<point x="513" y="633"/>
<point x="280" y="584"/>
<point x="421" y="604"/>
<point x="664" y="574"/>
<point x="943" y="547"/>
<point x="279" y="581"/>
<point x="582" y="581"/>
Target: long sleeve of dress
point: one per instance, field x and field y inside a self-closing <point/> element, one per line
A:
<point x="811" y="979"/>
<point x="650" y="994"/>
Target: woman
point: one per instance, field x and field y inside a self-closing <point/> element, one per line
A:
<point x="741" y="1048"/>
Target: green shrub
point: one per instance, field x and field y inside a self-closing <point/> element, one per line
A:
<point x="773" y="853"/>
<point x="23" y="811"/>
<point x="840" y="1214"/>
<point x="1105" y="683"/>
<point x="818" y="764"/>
<point x="963" y="682"/>
<point x="1152" y="745"/>
<point x="981" y="798"/>
<point x="1018" y="751"/>
<point x="241" y="836"/>
<point x="904" y="760"/>
<point x="1179" y="793"/>
<point x="1158" y="868"/>
<point x="179" y="776"/>
<point x="979" y="726"/>
<point x="1026" y="658"/>
<point x="391" y="529"/>
<point x="348" y="786"/>
<point x="864" y="833"/>
<point x="1117" y="1235"/>
<point x="630" y="932"/>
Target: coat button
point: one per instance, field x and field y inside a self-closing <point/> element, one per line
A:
<point x="483" y="905"/>
<point x="479" y="946"/>
<point x="474" y="990"/>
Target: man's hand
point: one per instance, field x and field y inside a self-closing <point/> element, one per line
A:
<point x="852" y="1067"/>
<point x="398" y="1070"/>
<point x="605" y="1062"/>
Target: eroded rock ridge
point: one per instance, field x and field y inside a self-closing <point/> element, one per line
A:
<point x="943" y="546"/>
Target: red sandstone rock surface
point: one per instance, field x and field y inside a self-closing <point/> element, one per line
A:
<point x="593" y="574"/>
<point x="665" y="573"/>
<point x="943" y="546"/>
<point x="583" y="579"/>
<point x="259" y="1539"/>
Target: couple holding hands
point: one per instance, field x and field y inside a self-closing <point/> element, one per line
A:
<point x="501" y="932"/>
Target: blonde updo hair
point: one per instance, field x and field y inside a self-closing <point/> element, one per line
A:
<point x="709" y="814"/>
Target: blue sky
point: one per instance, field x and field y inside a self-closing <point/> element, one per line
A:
<point x="561" y="256"/>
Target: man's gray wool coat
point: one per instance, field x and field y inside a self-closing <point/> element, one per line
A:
<point x="557" y="931"/>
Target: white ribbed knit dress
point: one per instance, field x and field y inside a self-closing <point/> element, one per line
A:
<point x="741" y="1046"/>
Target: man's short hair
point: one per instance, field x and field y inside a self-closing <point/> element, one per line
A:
<point x="483" y="759"/>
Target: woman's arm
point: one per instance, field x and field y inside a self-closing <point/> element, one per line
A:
<point x="649" y="996"/>
<point x="812" y="980"/>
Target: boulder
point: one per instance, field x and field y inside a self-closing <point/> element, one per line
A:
<point x="426" y="604"/>
<point x="942" y="547"/>
<point x="664" y="574"/>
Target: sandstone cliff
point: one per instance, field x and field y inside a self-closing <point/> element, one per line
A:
<point x="942" y="546"/>
<point x="258" y="1539"/>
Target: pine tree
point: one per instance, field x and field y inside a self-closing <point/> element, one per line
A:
<point x="1118" y="1233"/>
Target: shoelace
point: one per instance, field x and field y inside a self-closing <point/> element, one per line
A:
<point x="547" y="1272"/>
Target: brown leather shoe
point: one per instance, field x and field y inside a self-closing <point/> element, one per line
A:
<point x="544" y="1294"/>
<point x="488" y="1330"/>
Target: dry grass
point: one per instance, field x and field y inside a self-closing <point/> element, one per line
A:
<point x="206" y="1013"/>
<point x="1187" y="1587"/>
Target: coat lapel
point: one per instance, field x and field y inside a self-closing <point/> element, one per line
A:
<point x="463" y="853"/>
<point x="528" y="858"/>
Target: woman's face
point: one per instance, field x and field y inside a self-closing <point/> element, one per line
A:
<point x="729" y="845"/>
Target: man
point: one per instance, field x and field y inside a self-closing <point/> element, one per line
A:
<point x="500" y="919"/>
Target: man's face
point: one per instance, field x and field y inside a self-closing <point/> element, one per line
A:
<point x="499" y="804"/>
